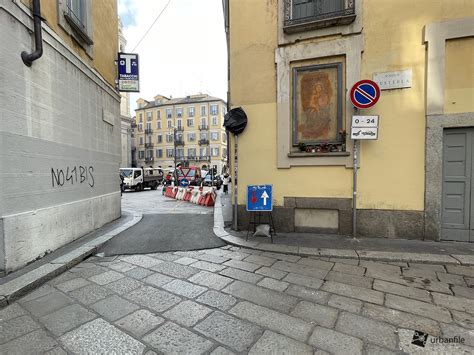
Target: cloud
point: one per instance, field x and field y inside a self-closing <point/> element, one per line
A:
<point x="185" y="51"/>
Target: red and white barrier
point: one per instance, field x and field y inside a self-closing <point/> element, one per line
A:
<point x="204" y="196"/>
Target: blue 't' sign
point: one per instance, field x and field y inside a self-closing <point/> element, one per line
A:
<point x="259" y="198"/>
<point x="127" y="64"/>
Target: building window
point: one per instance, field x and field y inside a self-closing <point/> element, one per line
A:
<point x="179" y="124"/>
<point x="203" y="110"/>
<point x="215" y="121"/>
<point x="169" y="152"/>
<point x="203" y="152"/>
<point x="191" y="111"/>
<point x="190" y="122"/>
<point x="169" y="113"/>
<point x="140" y="127"/>
<point x="192" y="152"/>
<point x="169" y="124"/>
<point x="158" y="114"/>
<point x="140" y="117"/>
<point x="180" y="153"/>
<point x="301" y="15"/>
<point x="158" y="124"/>
<point x="76" y="19"/>
<point x="215" y="152"/>
<point x="203" y="136"/>
<point x="159" y="153"/>
<point x="224" y="110"/>
<point x="169" y="138"/>
<point x="149" y="116"/>
<point x="224" y="137"/>
<point x="215" y="136"/>
<point x="148" y="126"/>
<point x="224" y="153"/>
<point x="141" y="154"/>
<point x="214" y="110"/>
<point x="141" y="140"/>
<point x="149" y="153"/>
<point x="159" y="138"/>
<point x="203" y="122"/>
<point x="317" y="104"/>
<point x="179" y="112"/>
<point x="192" y="137"/>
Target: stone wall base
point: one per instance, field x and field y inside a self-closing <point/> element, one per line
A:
<point x="334" y="216"/>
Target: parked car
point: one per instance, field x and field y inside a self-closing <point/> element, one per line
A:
<point x="209" y="181"/>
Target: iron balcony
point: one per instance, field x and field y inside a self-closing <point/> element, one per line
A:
<point x="148" y="131"/>
<point x="316" y="16"/>
<point x="203" y="127"/>
<point x="204" y="142"/>
<point x="148" y="145"/>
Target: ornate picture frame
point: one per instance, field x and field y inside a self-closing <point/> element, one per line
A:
<point x="317" y="104"/>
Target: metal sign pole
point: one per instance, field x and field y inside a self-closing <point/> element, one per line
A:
<point x="354" y="192"/>
<point x="235" y="181"/>
<point x="354" y="185"/>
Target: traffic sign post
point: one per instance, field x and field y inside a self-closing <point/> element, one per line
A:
<point x="363" y="94"/>
<point x="259" y="198"/>
<point x="365" y="127"/>
<point x="259" y="201"/>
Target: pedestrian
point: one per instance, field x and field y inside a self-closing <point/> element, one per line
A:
<point x="225" y="183"/>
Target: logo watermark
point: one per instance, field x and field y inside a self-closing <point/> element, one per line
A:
<point x="421" y="338"/>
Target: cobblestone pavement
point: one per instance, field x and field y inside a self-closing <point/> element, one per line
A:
<point x="232" y="300"/>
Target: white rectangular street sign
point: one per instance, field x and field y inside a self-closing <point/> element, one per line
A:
<point x="394" y="80"/>
<point x="364" y="133"/>
<point x="365" y="121"/>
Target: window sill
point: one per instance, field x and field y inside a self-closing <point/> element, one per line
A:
<point x="79" y="32"/>
<point x="318" y="154"/>
<point x="318" y="24"/>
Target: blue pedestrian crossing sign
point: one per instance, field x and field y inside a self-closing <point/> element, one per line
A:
<point x="259" y="198"/>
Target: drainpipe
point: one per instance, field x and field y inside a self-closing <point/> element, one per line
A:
<point x="28" y="59"/>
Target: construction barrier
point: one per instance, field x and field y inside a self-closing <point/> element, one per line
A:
<point x="204" y="196"/>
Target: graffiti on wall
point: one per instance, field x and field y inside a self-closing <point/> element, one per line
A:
<point x="75" y="175"/>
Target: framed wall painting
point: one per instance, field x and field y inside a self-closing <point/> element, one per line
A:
<point x="317" y="104"/>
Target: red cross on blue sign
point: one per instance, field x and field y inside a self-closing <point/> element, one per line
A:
<point x="365" y="94"/>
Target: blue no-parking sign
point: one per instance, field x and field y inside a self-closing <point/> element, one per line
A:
<point x="127" y="64"/>
<point x="259" y="198"/>
<point x="364" y="94"/>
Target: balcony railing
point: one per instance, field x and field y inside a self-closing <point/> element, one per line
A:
<point x="149" y="145"/>
<point x="179" y="142"/>
<point x="149" y="159"/>
<point x="179" y="129"/>
<point x="148" y="131"/>
<point x="198" y="158"/>
<point x="204" y="142"/>
<point x="317" y="14"/>
<point x="134" y="149"/>
<point x="203" y="127"/>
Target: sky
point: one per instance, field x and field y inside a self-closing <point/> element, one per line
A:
<point x="185" y="51"/>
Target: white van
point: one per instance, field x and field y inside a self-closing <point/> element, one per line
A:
<point x="139" y="178"/>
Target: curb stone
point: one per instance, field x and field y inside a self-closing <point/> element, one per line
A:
<point x="220" y="232"/>
<point x="14" y="289"/>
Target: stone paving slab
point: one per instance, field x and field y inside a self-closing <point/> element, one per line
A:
<point x="282" y="323"/>
<point x="335" y="342"/>
<point x="99" y="337"/>
<point x="367" y="329"/>
<point x="438" y="313"/>
<point x="187" y="313"/>
<point x="261" y="296"/>
<point x="140" y="322"/>
<point x="35" y="342"/>
<point x="230" y="331"/>
<point x="153" y="298"/>
<point x="67" y="318"/>
<point x="273" y="343"/>
<point x="173" y="339"/>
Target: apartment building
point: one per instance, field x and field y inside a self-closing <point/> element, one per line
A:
<point x="60" y="125"/>
<point x="188" y="131"/>
<point x="417" y="179"/>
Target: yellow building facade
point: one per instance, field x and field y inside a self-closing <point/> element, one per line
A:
<point x="200" y="137"/>
<point x="406" y="187"/>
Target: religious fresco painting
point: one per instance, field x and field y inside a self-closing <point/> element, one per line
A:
<point x="317" y="104"/>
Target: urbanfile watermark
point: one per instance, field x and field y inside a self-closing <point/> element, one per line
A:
<point x="420" y="339"/>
